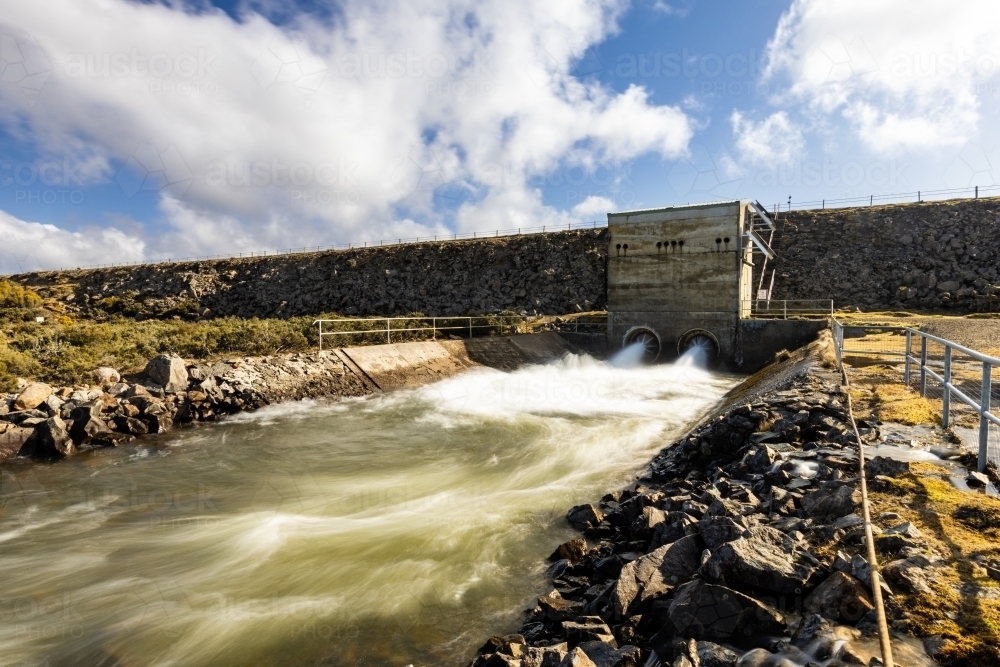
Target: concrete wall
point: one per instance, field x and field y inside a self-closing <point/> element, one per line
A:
<point x="697" y="282"/>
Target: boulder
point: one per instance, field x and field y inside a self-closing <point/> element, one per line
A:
<point x="768" y="560"/>
<point x="572" y="551"/>
<point x="912" y="574"/>
<point x="656" y="573"/>
<point x="87" y="424"/>
<point x="606" y="655"/>
<point x="713" y="613"/>
<point x="840" y="598"/>
<point x="588" y="629"/>
<point x="32" y="396"/>
<point x="582" y="517"/>
<point x="835" y="500"/>
<point x="49" y="440"/>
<point x="711" y="654"/>
<point x="717" y="530"/>
<point x="168" y="371"/>
<point x="544" y="656"/>
<point x="577" y="658"/>
<point x="105" y="376"/>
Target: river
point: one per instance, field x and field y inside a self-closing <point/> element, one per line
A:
<point x="397" y="529"/>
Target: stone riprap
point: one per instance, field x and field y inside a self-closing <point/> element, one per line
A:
<point x="70" y="419"/>
<point x="713" y="556"/>
<point x="540" y="273"/>
<point x="929" y="256"/>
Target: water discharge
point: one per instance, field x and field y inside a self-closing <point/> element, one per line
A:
<point x="395" y="529"/>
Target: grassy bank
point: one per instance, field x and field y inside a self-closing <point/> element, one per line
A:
<point x="58" y="349"/>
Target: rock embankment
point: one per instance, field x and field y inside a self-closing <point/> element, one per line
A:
<point x="554" y="273"/>
<point x="740" y="545"/>
<point x="43" y="422"/>
<point x="929" y="256"/>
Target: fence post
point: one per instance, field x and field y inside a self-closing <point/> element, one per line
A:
<point x="923" y="366"/>
<point x="388" y="332"/>
<point x="784" y="303"/>
<point x="470" y="327"/>
<point x="984" y="406"/>
<point x="906" y="364"/>
<point x="946" y="397"/>
<point x="320" y="323"/>
<point x="434" y="328"/>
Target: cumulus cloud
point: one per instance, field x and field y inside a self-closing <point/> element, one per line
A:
<point x="396" y="117"/>
<point x="773" y="141"/>
<point x="906" y="75"/>
<point x="29" y="246"/>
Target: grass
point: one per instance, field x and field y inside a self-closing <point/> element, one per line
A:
<point x="60" y="350"/>
<point x="959" y="527"/>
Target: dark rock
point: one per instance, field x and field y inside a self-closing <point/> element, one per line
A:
<point x="588" y="629"/>
<point x="717" y="530"/>
<point x="557" y="608"/>
<point x="769" y="560"/>
<point x="719" y="614"/>
<point x="130" y="425"/>
<point x="656" y="573"/>
<point x="606" y="655"/>
<point x="886" y="467"/>
<point x="87" y="424"/>
<point x="582" y="517"/>
<point x="712" y="655"/>
<point x="911" y="574"/>
<point x="836" y="500"/>
<point x="840" y="598"/>
<point x="572" y="551"/>
<point x="49" y="440"/>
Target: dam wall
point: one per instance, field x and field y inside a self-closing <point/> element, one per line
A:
<point x="927" y="256"/>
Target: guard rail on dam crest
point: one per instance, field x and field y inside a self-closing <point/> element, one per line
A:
<point x="961" y="379"/>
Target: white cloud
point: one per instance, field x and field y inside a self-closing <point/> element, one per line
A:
<point x="907" y="75"/>
<point x="594" y="208"/>
<point x="255" y="134"/>
<point x="771" y="142"/>
<point x="29" y="246"/>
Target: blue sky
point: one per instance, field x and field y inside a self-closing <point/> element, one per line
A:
<point x="133" y="131"/>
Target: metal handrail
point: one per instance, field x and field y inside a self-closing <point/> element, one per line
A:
<point x="949" y="389"/>
<point x="786" y="307"/>
<point x="434" y="328"/>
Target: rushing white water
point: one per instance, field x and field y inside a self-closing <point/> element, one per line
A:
<point x="395" y="529"/>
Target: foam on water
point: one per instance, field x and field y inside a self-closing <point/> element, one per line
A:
<point x="393" y="529"/>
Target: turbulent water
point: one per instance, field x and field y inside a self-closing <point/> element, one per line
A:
<point x="384" y="531"/>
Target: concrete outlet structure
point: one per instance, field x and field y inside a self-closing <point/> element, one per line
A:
<point x="680" y="277"/>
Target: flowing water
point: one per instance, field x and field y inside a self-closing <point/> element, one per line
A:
<point x="383" y="531"/>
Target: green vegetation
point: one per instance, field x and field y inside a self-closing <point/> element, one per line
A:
<point x="15" y="296"/>
<point x="60" y="350"/>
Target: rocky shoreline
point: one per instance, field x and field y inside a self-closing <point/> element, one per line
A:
<point x="741" y="545"/>
<point x="50" y="423"/>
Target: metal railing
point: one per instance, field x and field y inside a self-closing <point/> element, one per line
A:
<point x="942" y="369"/>
<point x="954" y="380"/>
<point x="422" y="328"/>
<point x="785" y="309"/>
